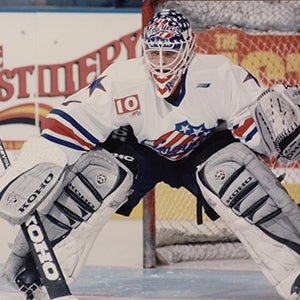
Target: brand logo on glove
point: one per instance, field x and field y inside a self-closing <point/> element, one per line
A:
<point x="12" y="199"/>
<point x="36" y="193"/>
<point x="220" y="175"/>
<point x="100" y="179"/>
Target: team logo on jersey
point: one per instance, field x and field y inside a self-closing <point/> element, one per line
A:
<point x="179" y="142"/>
<point x="129" y="104"/>
<point x="249" y="76"/>
<point x="97" y="84"/>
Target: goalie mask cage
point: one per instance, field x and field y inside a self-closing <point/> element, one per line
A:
<point x="263" y="37"/>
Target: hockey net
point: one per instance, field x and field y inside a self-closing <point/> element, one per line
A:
<point x="262" y="36"/>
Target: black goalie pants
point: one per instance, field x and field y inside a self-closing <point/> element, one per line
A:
<point x="153" y="168"/>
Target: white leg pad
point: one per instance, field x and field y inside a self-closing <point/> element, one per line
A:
<point x="72" y="251"/>
<point x="278" y="262"/>
<point x="94" y="188"/>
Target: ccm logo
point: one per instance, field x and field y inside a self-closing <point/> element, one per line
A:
<point x="127" y="105"/>
<point x="37" y="237"/>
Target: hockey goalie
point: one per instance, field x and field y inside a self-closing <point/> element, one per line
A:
<point x="187" y="119"/>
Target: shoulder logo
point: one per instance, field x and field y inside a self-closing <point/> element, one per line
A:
<point x="128" y="104"/>
<point x="249" y="76"/>
<point x="97" y="84"/>
<point x="203" y="85"/>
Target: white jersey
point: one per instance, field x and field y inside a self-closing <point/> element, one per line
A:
<point x="213" y="89"/>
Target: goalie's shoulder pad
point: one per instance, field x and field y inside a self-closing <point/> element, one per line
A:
<point x="30" y="179"/>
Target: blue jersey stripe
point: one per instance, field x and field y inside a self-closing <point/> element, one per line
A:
<point x="251" y="134"/>
<point x="75" y="124"/>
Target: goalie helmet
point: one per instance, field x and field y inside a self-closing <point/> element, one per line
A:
<point x="168" y="45"/>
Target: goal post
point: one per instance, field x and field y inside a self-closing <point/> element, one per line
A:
<point x="263" y="37"/>
<point x="149" y="230"/>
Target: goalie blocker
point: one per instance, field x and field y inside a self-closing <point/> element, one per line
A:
<point x="250" y="199"/>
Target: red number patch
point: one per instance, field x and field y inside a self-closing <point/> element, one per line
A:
<point x="128" y="104"/>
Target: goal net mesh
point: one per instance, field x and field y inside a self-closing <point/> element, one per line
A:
<point x="262" y="36"/>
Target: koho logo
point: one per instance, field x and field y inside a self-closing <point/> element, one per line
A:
<point x="41" y="188"/>
<point x="43" y="253"/>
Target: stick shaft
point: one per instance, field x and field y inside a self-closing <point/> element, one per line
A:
<point x="3" y="155"/>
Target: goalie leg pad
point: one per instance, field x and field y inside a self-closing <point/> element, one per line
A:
<point x="252" y="201"/>
<point x="94" y="188"/>
<point x="87" y="184"/>
<point x="245" y="184"/>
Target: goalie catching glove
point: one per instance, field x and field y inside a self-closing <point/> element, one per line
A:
<point x="277" y="116"/>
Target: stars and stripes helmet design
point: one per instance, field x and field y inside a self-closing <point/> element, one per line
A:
<point x="168" y="45"/>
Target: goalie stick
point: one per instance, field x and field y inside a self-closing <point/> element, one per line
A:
<point x="42" y="251"/>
